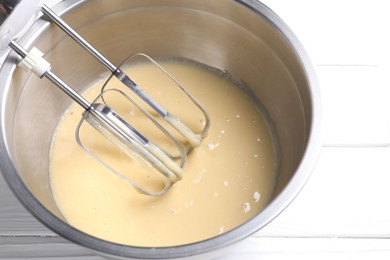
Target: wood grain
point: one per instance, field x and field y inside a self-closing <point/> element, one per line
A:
<point x="42" y="248"/>
<point x="343" y="212"/>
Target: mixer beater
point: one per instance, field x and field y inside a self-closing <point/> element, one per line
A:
<point x="114" y="127"/>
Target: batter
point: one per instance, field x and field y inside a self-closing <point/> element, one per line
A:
<point x="227" y="180"/>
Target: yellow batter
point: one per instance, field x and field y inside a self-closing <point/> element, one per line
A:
<point x="227" y="180"/>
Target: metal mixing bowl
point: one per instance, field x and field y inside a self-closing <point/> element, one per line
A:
<point x="242" y="37"/>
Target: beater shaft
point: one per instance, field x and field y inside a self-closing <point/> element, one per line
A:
<point x="191" y="137"/>
<point x="53" y="78"/>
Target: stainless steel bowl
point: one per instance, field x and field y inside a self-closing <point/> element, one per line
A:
<point x="243" y="37"/>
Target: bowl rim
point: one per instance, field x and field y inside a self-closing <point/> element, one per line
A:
<point x="217" y="243"/>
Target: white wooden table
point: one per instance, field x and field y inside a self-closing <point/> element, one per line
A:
<point x="343" y="212"/>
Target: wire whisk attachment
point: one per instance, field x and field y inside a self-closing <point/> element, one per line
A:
<point x="114" y="125"/>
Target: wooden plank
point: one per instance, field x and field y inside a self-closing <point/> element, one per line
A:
<point x="250" y="249"/>
<point x="348" y="32"/>
<point x="14" y="218"/>
<point x="355" y="106"/>
<point x="310" y="248"/>
<point x="42" y="248"/>
<point x="346" y="196"/>
<point x="342" y="212"/>
<point x="345" y="41"/>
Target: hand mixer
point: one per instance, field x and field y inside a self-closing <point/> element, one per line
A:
<point x="99" y="114"/>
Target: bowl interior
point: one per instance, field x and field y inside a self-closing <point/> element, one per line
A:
<point x="240" y="37"/>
